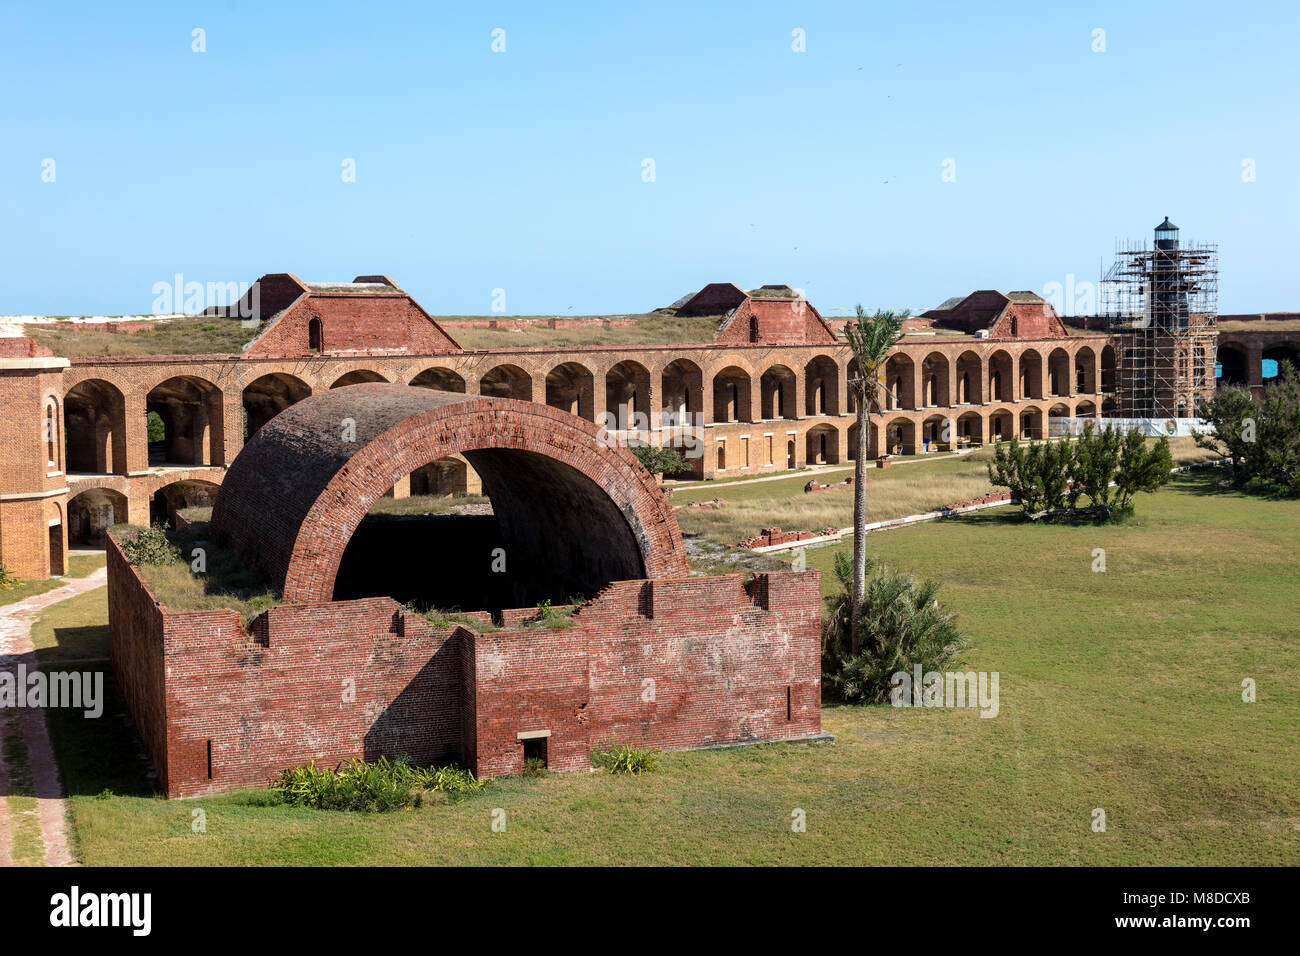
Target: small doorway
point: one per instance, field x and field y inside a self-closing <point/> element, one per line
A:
<point x="534" y="754"/>
<point x="56" y="549"/>
<point x="789" y="453"/>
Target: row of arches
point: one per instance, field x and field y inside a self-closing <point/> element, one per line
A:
<point x="1237" y="365"/>
<point x="968" y="379"/>
<point x="186" y="415"/>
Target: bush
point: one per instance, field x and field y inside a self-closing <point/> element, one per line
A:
<point x="659" y="461"/>
<point x="623" y="758"/>
<point x="376" y="786"/>
<point x="149" y="546"/>
<point x="550" y="616"/>
<point x="1261" y="436"/>
<point x="534" y="767"/>
<point x="903" y="626"/>
<point x="7" y="580"/>
<point x="1050" y="480"/>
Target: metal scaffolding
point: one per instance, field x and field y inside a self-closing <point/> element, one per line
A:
<point x="1162" y="304"/>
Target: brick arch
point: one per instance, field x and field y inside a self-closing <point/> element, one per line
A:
<point x="293" y="498"/>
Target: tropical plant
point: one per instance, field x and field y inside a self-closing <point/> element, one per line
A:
<point x="371" y="786"/>
<point x="870" y="339"/>
<point x="903" y="626"/>
<point x="623" y="758"/>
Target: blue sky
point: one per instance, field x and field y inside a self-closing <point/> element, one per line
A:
<point x="523" y="170"/>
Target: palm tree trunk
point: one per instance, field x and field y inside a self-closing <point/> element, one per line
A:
<point x="859" y="526"/>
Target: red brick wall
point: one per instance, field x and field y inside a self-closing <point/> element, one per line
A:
<point x="328" y="682"/>
<point x="381" y="322"/>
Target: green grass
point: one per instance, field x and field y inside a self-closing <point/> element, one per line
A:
<point x="651" y="328"/>
<point x="425" y="504"/>
<point x="198" y="335"/>
<point x="1119" y="690"/>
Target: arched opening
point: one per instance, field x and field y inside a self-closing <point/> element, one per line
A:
<point x="1031" y="424"/>
<point x="850" y="393"/>
<point x="1055" y="415"/>
<point x="731" y="390"/>
<point x="1031" y="374"/>
<point x="94" y="428"/>
<point x="58" y="560"/>
<point x="935" y="380"/>
<point x="970" y="429"/>
<point x="1058" y="371"/>
<point x="721" y="464"/>
<point x="822" y="445"/>
<point x="1108" y="407"/>
<point x="568" y="515"/>
<point x="1231" y="365"/>
<point x="170" y="499"/>
<point x="446" y="477"/>
<point x="571" y="388"/>
<point x="627" y="396"/>
<point x="822" y="384"/>
<point x="1085" y="371"/>
<point x="899" y="377"/>
<point x="937" y="433"/>
<point x="968" y="379"/>
<point x="315" y="336"/>
<point x="1002" y="376"/>
<point x="1002" y="425"/>
<point x="268" y="396"/>
<point x="1085" y="410"/>
<point x="91" y="513"/>
<point x="777" y="387"/>
<point x="507" y="381"/>
<point x="361" y="376"/>
<point x="440" y="380"/>
<point x="51" y="435"/>
<point x="1108" y="369"/>
<point x="900" y="437"/>
<point x="185" y="424"/>
<point x="1274" y="360"/>
<point x="682" y="387"/>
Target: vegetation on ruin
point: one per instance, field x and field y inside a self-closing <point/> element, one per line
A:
<point x="554" y="616"/>
<point x="902" y="627"/>
<point x="7" y="581"/>
<point x="1261" y="436"/>
<point x="440" y="617"/>
<point x="426" y="504"/>
<point x="371" y="786"/>
<point x="662" y="327"/>
<point x="1119" y="689"/>
<point x="659" y="461"/>
<point x="617" y="757"/>
<point x="189" y="335"/>
<point x="1103" y="467"/>
<point x="188" y="572"/>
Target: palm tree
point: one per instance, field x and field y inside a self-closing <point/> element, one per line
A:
<point x="870" y="340"/>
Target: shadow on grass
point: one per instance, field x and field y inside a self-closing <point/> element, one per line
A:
<point x="102" y="753"/>
<point x="1218" y="481"/>
<point x="81" y="644"/>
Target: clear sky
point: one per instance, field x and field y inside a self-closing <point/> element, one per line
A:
<point x="523" y="170"/>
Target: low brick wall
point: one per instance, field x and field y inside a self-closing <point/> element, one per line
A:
<point x="669" y="664"/>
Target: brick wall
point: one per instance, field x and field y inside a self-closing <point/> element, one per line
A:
<point x="666" y="664"/>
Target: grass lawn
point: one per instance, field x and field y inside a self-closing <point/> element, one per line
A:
<point x="1119" y="690"/>
<point x="892" y="492"/>
<point x="79" y="565"/>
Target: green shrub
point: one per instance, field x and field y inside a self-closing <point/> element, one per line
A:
<point x="623" y="758"/>
<point x="903" y="626"/>
<point x="1261" y="436"/>
<point x="149" y="546"/>
<point x="659" y="461"/>
<point x="7" y="580"/>
<point x="534" y="767"/>
<point x="550" y="616"/>
<point x="371" y="786"/>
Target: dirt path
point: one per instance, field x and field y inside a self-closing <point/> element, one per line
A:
<point x="33" y="824"/>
